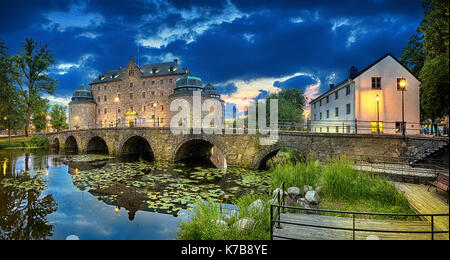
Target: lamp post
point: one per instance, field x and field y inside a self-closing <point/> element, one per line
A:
<point x="116" y="100"/>
<point x="402" y="85"/>
<point x="154" y="114"/>
<point x="378" y="114"/>
<point x="48" y="117"/>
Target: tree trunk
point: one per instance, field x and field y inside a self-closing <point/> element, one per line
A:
<point x="27" y="125"/>
<point x="9" y="131"/>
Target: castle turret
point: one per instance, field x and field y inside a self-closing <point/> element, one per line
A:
<point x="82" y="109"/>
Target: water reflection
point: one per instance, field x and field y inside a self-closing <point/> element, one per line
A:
<point x="117" y="208"/>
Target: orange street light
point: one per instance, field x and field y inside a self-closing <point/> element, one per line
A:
<point x="401" y="85"/>
<point x="5" y="118"/>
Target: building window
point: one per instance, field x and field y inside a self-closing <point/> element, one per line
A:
<point x="348" y="109"/>
<point x="336" y="95"/>
<point x="105" y="98"/>
<point x="118" y="95"/>
<point x="143" y="83"/>
<point x="320" y="103"/>
<point x="162" y="108"/>
<point x="320" y="115"/>
<point x="106" y="110"/>
<point x="170" y="81"/>
<point x="337" y="112"/>
<point x="374" y="127"/>
<point x="98" y="99"/>
<point x="328" y="99"/>
<point x="153" y="82"/>
<point x="161" y="81"/>
<point x="131" y="95"/>
<point x="143" y="94"/>
<point x="98" y="88"/>
<point x="118" y="87"/>
<point x="347" y="90"/>
<point x="376" y="83"/>
<point x="105" y="87"/>
<point x="153" y="93"/>
<point x="143" y="108"/>
<point x="131" y="85"/>
<point x="328" y="113"/>
<point x="118" y="110"/>
<point x="398" y="126"/>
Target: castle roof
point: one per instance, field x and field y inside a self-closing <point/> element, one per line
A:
<point x="82" y="95"/>
<point x="149" y="70"/>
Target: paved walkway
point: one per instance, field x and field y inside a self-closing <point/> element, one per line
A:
<point x="427" y="202"/>
<point x="396" y="169"/>
<point x="421" y="200"/>
<point x="315" y="233"/>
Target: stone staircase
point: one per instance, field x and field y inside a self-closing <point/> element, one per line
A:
<point x="432" y="153"/>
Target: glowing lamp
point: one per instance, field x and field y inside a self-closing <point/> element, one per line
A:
<point x="377" y="98"/>
<point x="116" y="99"/>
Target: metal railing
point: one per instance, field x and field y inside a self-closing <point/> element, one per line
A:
<point x="277" y="209"/>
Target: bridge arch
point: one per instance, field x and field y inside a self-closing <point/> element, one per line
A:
<point x="200" y="148"/>
<point x="136" y="144"/>
<point x="71" y="144"/>
<point x="97" y="145"/>
<point x="54" y="144"/>
<point x="260" y="161"/>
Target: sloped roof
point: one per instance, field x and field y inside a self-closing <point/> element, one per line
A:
<point x="359" y="74"/>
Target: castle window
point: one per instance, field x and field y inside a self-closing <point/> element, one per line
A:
<point x="105" y="87"/>
<point x="162" y="108"/>
<point x="106" y="110"/>
<point x="143" y="108"/>
<point x="143" y="94"/>
<point x="118" y="110"/>
<point x="98" y="99"/>
<point x="153" y="93"/>
<point x="131" y="85"/>
<point x="153" y="82"/>
<point x="161" y="81"/>
<point x="170" y="81"/>
<point x="105" y="98"/>
<point x="131" y="95"/>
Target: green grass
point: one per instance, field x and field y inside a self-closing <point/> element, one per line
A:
<point x="24" y="142"/>
<point x="202" y="225"/>
<point x="298" y="174"/>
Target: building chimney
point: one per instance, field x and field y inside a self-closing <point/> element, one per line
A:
<point x="176" y="61"/>
<point x="331" y="86"/>
<point x="352" y="72"/>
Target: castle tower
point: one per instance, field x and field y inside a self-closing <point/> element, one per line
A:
<point x="82" y="109"/>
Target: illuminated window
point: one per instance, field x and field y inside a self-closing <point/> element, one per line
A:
<point x="374" y="126"/>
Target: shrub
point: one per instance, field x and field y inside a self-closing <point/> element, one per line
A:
<point x="203" y="223"/>
<point x="298" y="175"/>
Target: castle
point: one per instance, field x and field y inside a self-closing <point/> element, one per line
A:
<point x="136" y="96"/>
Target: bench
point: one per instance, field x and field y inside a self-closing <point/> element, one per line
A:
<point x="441" y="182"/>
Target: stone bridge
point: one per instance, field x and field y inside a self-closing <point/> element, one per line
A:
<point x="238" y="150"/>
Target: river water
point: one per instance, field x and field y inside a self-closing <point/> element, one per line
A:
<point x="46" y="195"/>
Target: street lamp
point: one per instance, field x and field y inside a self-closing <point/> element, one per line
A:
<point x="401" y="84"/>
<point x="48" y="117"/>
<point x="378" y="114"/>
<point x="154" y="114"/>
<point x="116" y="100"/>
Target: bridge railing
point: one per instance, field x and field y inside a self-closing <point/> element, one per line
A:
<point x="314" y="126"/>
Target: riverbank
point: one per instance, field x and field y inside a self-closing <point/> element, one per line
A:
<point x="31" y="142"/>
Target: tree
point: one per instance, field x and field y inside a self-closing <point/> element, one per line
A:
<point x="33" y="65"/>
<point x="427" y="54"/>
<point x="40" y="113"/>
<point x="11" y="110"/>
<point x="58" y="117"/>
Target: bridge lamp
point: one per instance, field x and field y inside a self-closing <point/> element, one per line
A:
<point x="116" y="100"/>
<point x="5" y="118"/>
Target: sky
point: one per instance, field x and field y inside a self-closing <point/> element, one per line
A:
<point x="247" y="49"/>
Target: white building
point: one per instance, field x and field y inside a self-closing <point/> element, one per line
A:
<point x="369" y="98"/>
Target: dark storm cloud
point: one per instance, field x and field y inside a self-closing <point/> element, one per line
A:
<point x="221" y="41"/>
